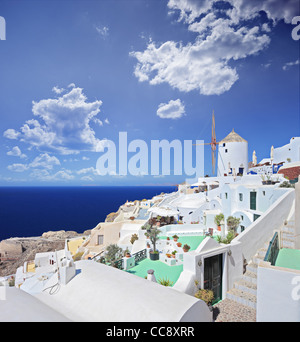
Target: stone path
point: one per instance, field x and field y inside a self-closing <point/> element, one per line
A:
<point x="230" y="311"/>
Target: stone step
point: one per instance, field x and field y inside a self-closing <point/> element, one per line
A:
<point x="252" y="267"/>
<point x="288" y="244"/>
<point x="246" y="286"/>
<point x="242" y="297"/>
<point x="287" y="229"/>
<point x="250" y="277"/>
<point x="287" y="234"/>
<point x="257" y="259"/>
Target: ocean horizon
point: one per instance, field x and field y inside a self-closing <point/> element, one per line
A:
<point x="30" y="210"/>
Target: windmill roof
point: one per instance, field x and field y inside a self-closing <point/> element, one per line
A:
<point x="233" y="137"/>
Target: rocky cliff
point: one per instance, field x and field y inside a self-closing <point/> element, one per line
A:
<point x="15" y="251"/>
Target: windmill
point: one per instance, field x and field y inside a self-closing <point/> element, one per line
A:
<point x="213" y="143"/>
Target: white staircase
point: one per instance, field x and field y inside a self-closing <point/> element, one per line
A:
<point x="288" y="235"/>
<point x="244" y="291"/>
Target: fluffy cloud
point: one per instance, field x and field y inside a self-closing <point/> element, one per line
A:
<point x="17" y="167"/>
<point x="11" y="134"/>
<point x="16" y="152"/>
<point x="45" y="161"/>
<point x="174" y="109"/>
<point x="224" y="35"/>
<point x="44" y="175"/>
<point x="61" y="125"/>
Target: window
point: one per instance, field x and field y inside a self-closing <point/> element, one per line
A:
<point x="242" y="217"/>
<point x="224" y="144"/>
<point x="226" y="195"/>
<point x="226" y="150"/>
<point x="255" y="217"/>
<point x="264" y="193"/>
<point x="100" y="239"/>
<point x="242" y="228"/>
<point x="241" y="197"/>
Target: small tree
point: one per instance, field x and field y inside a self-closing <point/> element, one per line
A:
<point x="113" y="252"/>
<point x="233" y="223"/>
<point x="153" y="236"/>
<point x="218" y="219"/>
<point x="134" y="237"/>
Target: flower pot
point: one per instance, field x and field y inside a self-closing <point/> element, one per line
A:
<point x="219" y="228"/>
<point x="185" y="250"/>
<point x="128" y="255"/>
<point x="175" y="239"/>
<point x="179" y="244"/>
<point x="154" y="256"/>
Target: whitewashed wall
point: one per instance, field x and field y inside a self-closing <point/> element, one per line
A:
<point x="278" y="294"/>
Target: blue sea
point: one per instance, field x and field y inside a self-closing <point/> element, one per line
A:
<point x="31" y="211"/>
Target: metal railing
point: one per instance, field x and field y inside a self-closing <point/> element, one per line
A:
<point x="273" y="250"/>
<point x="141" y="255"/>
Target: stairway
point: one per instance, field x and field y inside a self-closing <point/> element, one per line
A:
<point x="244" y="291"/>
<point x="288" y="235"/>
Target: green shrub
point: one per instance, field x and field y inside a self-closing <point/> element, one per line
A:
<point x="165" y="282"/>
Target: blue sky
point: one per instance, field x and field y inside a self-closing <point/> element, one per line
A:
<point x="76" y="73"/>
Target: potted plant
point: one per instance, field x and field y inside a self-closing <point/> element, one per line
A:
<point x="153" y="236"/>
<point x="175" y="237"/>
<point x="233" y="223"/>
<point x="218" y="219"/>
<point x="186" y="248"/>
<point x="206" y="295"/>
<point x="269" y="180"/>
<point x="174" y="254"/>
<point x="168" y="238"/>
<point x="168" y="255"/>
<point x="179" y="244"/>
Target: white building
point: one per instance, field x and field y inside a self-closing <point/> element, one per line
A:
<point x="232" y="155"/>
<point x="288" y="153"/>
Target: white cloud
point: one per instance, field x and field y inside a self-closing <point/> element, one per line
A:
<point x="45" y="161"/>
<point x="44" y="175"/>
<point x="11" y="134"/>
<point x="290" y="64"/>
<point x="89" y="170"/>
<point x="57" y="90"/>
<point x="87" y="178"/>
<point x="62" y="125"/>
<point x="107" y="121"/>
<point x="174" y="109"/>
<point x="102" y="30"/>
<point x="16" y="152"/>
<point x="17" y="167"/>
<point x="223" y="36"/>
<point x="98" y="121"/>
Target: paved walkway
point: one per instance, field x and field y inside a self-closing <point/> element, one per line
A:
<point x="230" y="311"/>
